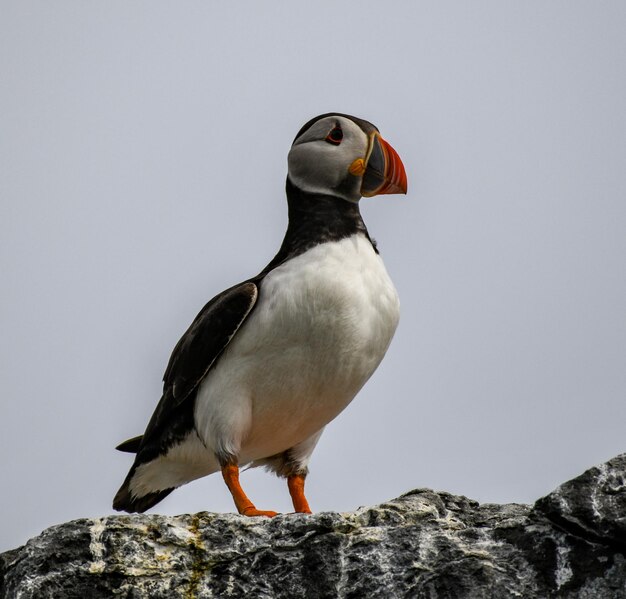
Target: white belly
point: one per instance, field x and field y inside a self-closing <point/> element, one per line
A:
<point x="323" y="323"/>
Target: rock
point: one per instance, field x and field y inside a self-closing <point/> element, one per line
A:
<point x="422" y="545"/>
<point x="593" y="505"/>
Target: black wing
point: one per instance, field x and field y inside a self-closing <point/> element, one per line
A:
<point x="192" y="358"/>
<point x="206" y="339"/>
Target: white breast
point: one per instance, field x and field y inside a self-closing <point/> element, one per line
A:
<point x="323" y="323"/>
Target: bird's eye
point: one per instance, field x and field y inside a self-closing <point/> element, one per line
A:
<point x="335" y="136"/>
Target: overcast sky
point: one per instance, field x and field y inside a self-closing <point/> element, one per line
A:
<point x="143" y="156"/>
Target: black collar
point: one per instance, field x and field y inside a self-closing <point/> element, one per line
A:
<point x="313" y="219"/>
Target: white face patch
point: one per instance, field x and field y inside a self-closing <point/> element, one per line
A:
<point x="317" y="166"/>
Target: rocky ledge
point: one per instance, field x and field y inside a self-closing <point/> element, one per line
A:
<point x="424" y="544"/>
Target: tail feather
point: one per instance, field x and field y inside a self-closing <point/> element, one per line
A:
<point x="130" y="445"/>
<point x="125" y="501"/>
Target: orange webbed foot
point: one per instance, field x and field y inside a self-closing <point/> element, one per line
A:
<point x="252" y="511"/>
<point x="303" y="511"/>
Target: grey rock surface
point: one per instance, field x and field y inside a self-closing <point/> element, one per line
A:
<point x="571" y="543"/>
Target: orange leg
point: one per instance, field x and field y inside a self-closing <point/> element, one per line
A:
<point x="243" y="504"/>
<point x="296" y="490"/>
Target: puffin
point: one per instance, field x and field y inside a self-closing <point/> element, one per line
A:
<point x="269" y="362"/>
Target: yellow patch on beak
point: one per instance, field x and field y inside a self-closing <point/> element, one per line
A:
<point x="357" y="168"/>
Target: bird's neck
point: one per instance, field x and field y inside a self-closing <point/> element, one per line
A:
<point x="314" y="219"/>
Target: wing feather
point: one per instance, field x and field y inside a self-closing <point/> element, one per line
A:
<point x="206" y="338"/>
<point x="194" y="355"/>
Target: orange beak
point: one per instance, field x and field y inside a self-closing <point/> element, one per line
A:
<point x="384" y="171"/>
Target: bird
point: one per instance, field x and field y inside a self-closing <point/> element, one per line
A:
<point x="269" y="362"/>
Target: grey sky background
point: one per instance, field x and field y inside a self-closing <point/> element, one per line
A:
<point x="142" y="163"/>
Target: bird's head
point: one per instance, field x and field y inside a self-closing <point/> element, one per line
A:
<point x="344" y="156"/>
